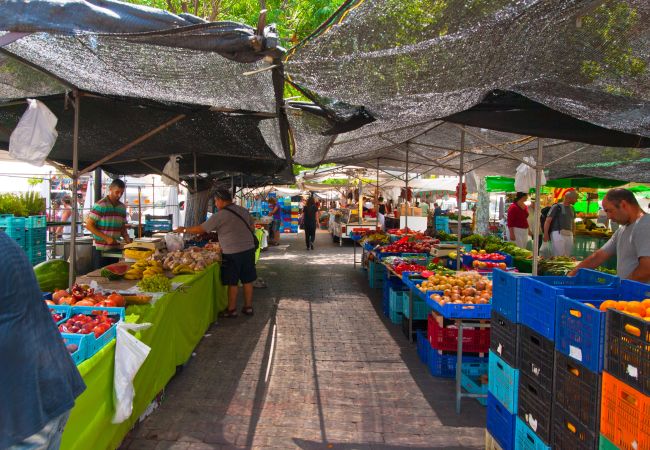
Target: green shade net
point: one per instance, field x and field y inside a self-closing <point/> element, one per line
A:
<point x="584" y="182"/>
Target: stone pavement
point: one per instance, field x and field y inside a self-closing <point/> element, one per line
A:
<point x="343" y="377"/>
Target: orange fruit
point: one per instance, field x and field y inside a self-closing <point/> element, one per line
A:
<point x="607" y="304"/>
<point x="632" y="314"/>
<point x="635" y="307"/>
<point x="647" y="312"/>
<point x="621" y="306"/>
<point x="646" y="302"/>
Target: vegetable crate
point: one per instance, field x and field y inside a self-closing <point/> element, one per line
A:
<point x="443" y="364"/>
<point x="506" y="293"/>
<point x="538" y="296"/>
<point x="577" y="391"/>
<point x="460" y="311"/>
<point x="468" y="259"/>
<point x="536" y="358"/>
<point x="569" y="433"/>
<point x="475" y="385"/>
<point x="580" y="329"/>
<point x="503" y="382"/>
<point x="422" y="346"/>
<point x="625" y="415"/>
<point x="81" y="342"/>
<point x="504" y="338"/>
<point x="500" y="423"/>
<point x="94" y="344"/>
<point x="526" y="439"/>
<point x="628" y="349"/>
<point x="64" y="310"/>
<point x="534" y="407"/>
<point x="420" y="308"/>
<point x="443" y="335"/>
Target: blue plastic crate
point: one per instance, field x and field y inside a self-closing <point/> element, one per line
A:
<point x="539" y="296"/>
<point x="93" y="344"/>
<point x="422" y="345"/>
<point x="580" y="331"/>
<point x="468" y="259"/>
<point x="442" y="224"/>
<point x="500" y="423"/>
<point x="396" y="300"/>
<point x="64" y="310"/>
<point x="460" y="311"/>
<point x="376" y="270"/>
<point x="503" y="382"/>
<point x="81" y="341"/>
<point x="385" y="306"/>
<point x="376" y="283"/>
<point x="395" y="317"/>
<point x="526" y="439"/>
<point x="444" y="365"/>
<point x="505" y="294"/>
<point x="420" y="309"/>
<point x="36" y="222"/>
<point x="474" y="385"/>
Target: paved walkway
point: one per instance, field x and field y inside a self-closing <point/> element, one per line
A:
<point x="342" y="377"/>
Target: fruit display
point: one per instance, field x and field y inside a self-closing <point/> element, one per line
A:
<point x="405" y="267"/>
<point x="52" y="274"/>
<point x="407" y="247"/>
<point x="194" y="259"/>
<point x="137" y="253"/>
<point x="558" y="265"/>
<point x="376" y="239"/>
<point x="461" y="288"/>
<point x="114" y="271"/>
<point x="488" y="265"/>
<point x="437" y="269"/>
<point x="482" y="255"/>
<point x="98" y="323"/>
<point x="636" y="308"/>
<point x="57" y="317"/>
<point x="138" y="299"/>
<point x="144" y="268"/>
<point x="155" y="283"/>
<point x="83" y="295"/>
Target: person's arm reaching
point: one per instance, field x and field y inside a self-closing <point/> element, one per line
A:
<point x="92" y="227"/>
<point x="592" y="261"/>
<point x="125" y="234"/>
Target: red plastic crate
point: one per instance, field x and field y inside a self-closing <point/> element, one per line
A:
<point x="625" y="415"/>
<point x="443" y="335"/>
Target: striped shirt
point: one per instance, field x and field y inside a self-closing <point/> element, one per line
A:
<point x="109" y="219"/>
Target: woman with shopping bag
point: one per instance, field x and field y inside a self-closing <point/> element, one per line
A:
<point x="518" y="220"/>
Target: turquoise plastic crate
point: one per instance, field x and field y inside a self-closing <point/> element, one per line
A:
<point x="36" y="222"/>
<point x="526" y="439"/>
<point x="396" y="299"/>
<point x="475" y="385"/>
<point x="81" y="341"/>
<point x="93" y="344"/>
<point x="395" y="317"/>
<point x="420" y="309"/>
<point x="503" y="382"/>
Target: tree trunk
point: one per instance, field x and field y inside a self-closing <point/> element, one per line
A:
<point x="196" y="208"/>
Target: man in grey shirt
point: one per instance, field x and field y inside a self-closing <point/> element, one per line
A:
<point x="234" y="225"/>
<point x="630" y="243"/>
<point x="559" y="225"/>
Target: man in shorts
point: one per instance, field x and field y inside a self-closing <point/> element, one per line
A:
<point x="234" y="225"/>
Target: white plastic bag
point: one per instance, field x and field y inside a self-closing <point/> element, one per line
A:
<point x="471" y="182"/>
<point x="130" y="354"/>
<point x="526" y="176"/>
<point x="546" y="250"/>
<point x="35" y="134"/>
<point x="171" y="170"/>
<point x="174" y="242"/>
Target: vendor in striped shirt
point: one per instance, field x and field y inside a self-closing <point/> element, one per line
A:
<point x="107" y="222"/>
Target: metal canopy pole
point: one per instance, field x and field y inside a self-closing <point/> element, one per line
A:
<point x="459" y="194"/>
<point x="139" y="211"/>
<point x="406" y="216"/>
<point x="75" y="186"/>
<point x="538" y="180"/>
<point x="377" y="197"/>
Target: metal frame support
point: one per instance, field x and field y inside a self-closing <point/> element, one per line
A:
<point x="459" y="197"/>
<point x="75" y="188"/>
<point x="538" y="181"/>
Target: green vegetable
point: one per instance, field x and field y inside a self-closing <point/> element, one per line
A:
<point x="440" y="270"/>
<point x="156" y="283"/>
<point x="606" y="270"/>
<point x="52" y="274"/>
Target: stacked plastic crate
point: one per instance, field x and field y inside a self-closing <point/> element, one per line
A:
<point x="29" y="233"/>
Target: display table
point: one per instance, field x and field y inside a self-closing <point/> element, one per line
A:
<point x="179" y="320"/>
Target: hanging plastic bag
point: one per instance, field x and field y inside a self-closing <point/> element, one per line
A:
<point x="525" y="176"/>
<point x="130" y="354"/>
<point x="174" y="242"/>
<point x="471" y="181"/>
<point x="546" y="250"/>
<point x="171" y="171"/>
<point x="35" y="135"/>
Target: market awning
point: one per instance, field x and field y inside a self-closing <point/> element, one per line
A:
<point x="507" y="184"/>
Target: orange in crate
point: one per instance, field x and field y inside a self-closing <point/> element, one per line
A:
<point x="625" y="415"/>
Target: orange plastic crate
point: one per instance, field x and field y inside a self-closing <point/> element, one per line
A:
<point x="625" y="415"/>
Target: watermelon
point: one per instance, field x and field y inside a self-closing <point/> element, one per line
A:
<point x="115" y="271"/>
<point x="52" y="274"/>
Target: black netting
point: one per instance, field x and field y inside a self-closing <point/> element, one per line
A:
<point x="562" y="69"/>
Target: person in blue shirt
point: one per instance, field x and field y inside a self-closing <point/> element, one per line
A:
<point x="39" y="382"/>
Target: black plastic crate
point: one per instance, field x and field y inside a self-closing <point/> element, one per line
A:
<point x="577" y="390"/>
<point x="417" y="325"/>
<point x="570" y="434"/>
<point x="628" y="349"/>
<point x="535" y="404"/>
<point x="504" y="339"/>
<point x="536" y="357"/>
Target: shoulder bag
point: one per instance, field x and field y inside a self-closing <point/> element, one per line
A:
<point x="256" y="241"/>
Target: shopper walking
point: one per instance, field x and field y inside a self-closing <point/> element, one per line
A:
<point x="629" y="243"/>
<point x="276" y="213"/>
<point x="38" y="379"/>
<point x="518" y="220"/>
<point x="107" y="222"/>
<point x="235" y="228"/>
<point x="560" y="225"/>
<point x="309" y="220"/>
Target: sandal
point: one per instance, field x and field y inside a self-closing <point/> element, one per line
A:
<point x="229" y="313"/>
<point x="248" y="310"/>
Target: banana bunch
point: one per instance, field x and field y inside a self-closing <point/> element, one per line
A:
<point x="144" y="268"/>
<point x="137" y="253"/>
<point x="182" y="269"/>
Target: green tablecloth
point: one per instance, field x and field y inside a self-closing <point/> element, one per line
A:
<point x="260" y="234"/>
<point x="179" y="320"/>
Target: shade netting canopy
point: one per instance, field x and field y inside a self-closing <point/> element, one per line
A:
<point x="564" y="70"/>
<point x="136" y="68"/>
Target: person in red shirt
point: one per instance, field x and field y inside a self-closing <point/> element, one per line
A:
<point x="518" y="220"/>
